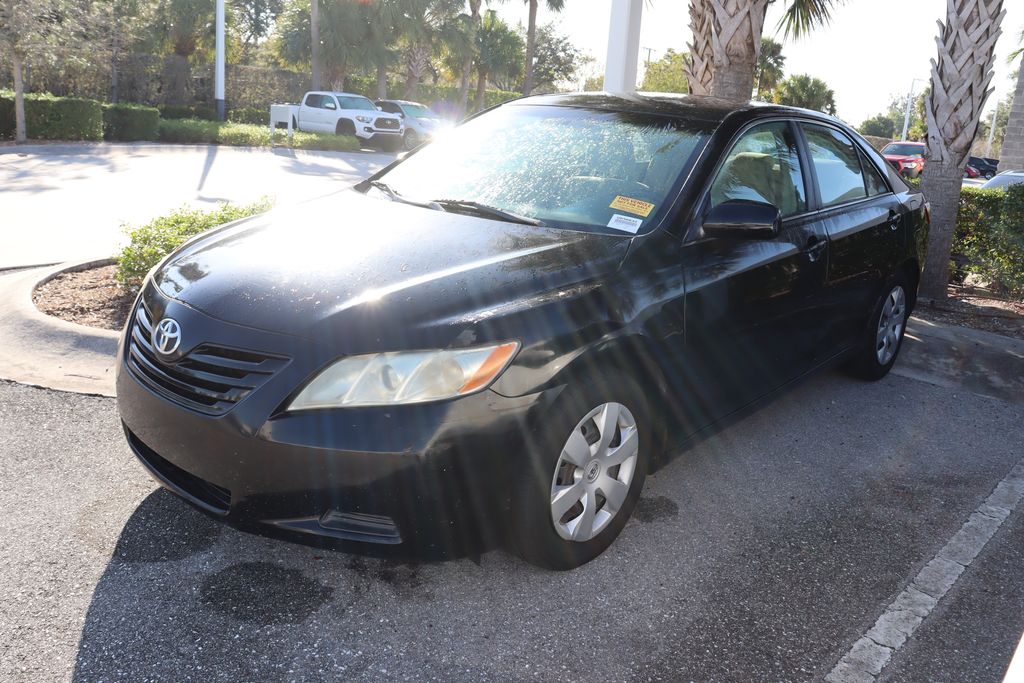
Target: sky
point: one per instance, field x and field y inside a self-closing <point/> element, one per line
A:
<point x="871" y="51"/>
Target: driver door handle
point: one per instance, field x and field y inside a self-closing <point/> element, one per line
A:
<point x="815" y="248"/>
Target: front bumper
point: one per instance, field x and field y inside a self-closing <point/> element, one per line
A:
<point x="375" y="135"/>
<point x="432" y="475"/>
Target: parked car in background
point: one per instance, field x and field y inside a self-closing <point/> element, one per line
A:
<point x="348" y="114"/>
<point x="496" y="337"/>
<point x="987" y="167"/>
<point x="906" y="157"/>
<point x="1005" y="179"/>
<point x="421" y="122"/>
<point x="971" y="172"/>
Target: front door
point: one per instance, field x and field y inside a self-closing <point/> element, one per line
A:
<point x="753" y="305"/>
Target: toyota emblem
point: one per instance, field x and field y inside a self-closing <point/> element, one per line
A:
<point x="167" y="336"/>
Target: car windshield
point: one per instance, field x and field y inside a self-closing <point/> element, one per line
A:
<point x="419" y="111"/>
<point x="904" y="150"/>
<point x="568" y="167"/>
<point x="355" y="102"/>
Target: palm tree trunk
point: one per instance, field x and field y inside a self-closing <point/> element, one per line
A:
<point x="531" y="47"/>
<point x="382" y="81"/>
<point x="467" y="63"/>
<point x="314" y="25"/>
<point x="700" y="65"/>
<point x="481" y="90"/>
<point x="19" y="98"/>
<point x="736" y="42"/>
<point x="960" y="86"/>
<point x="1012" y="156"/>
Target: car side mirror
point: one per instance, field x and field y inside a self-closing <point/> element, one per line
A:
<point x="742" y="219"/>
<point x="401" y="115"/>
<point x="330" y="105"/>
<point x="380" y="108"/>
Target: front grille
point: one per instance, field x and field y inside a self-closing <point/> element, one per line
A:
<point x="387" y="124"/>
<point x="208" y="495"/>
<point x="209" y="379"/>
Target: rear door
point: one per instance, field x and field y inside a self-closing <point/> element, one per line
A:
<point x="862" y="218"/>
<point x="753" y="305"/>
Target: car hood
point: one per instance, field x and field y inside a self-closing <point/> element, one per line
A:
<point x="349" y="262"/>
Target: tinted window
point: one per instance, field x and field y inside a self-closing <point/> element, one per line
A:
<point x="837" y="165"/>
<point x="569" y="167"/>
<point x="313" y="101"/>
<point x="355" y="102"/>
<point x="389" y="107"/>
<point x="763" y="166"/>
<point x="874" y="179"/>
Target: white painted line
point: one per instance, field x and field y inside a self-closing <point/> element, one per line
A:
<point x="871" y="652"/>
<point x="1015" y="674"/>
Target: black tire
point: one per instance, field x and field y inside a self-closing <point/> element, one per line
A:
<point x="345" y="127"/>
<point x="869" y="362"/>
<point x="989" y="175"/>
<point x="411" y="140"/>
<point x="532" y="530"/>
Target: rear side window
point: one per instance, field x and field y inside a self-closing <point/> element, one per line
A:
<point x="763" y="166"/>
<point x="876" y="185"/>
<point x="313" y="100"/>
<point x="837" y="165"/>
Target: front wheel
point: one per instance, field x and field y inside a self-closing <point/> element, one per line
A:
<point x="412" y="140"/>
<point x="884" y="336"/>
<point x="585" y="469"/>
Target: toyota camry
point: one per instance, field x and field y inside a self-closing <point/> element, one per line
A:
<point x="498" y="336"/>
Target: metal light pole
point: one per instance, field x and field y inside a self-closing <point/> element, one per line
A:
<point x="218" y="87"/>
<point x="910" y="100"/>
<point x="991" y="132"/>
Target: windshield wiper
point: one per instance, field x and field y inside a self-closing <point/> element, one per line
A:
<point x="470" y="206"/>
<point x="395" y="197"/>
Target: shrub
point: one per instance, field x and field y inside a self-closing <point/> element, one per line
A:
<point x="990" y="236"/>
<point x="259" y="117"/>
<point x="187" y="111"/>
<point x="150" y="243"/>
<point x="130" y="122"/>
<point x="53" y="118"/>
<point x="246" y="134"/>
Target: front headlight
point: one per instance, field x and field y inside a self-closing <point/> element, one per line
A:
<point x="382" y="379"/>
<point x="364" y="119"/>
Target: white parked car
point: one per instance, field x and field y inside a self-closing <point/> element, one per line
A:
<point x="421" y="122"/>
<point x="348" y="114"/>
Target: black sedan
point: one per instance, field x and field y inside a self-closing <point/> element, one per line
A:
<point x="498" y="336"/>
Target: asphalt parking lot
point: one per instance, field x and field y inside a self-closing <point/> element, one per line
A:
<point x="760" y="554"/>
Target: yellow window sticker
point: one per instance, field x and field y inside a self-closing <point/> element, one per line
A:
<point x="637" y="206"/>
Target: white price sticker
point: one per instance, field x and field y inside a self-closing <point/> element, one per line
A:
<point x="627" y="223"/>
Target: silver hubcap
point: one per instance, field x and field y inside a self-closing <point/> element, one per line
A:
<point x="594" y="472"/>
<point x="890" y="325"/>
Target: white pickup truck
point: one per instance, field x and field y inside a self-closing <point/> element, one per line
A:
<point x="347" y="114"/>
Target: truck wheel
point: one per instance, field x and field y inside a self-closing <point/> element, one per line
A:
<point x="345" y="127"/>
<point x="412" y="140"/>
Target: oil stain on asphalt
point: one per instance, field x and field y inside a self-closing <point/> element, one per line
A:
<point x="651" y="509"/>
<point x="263" y="593"/>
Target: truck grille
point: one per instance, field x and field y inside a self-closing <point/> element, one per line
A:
<point x="209" y="379"/>
<point x="387" y="124"/>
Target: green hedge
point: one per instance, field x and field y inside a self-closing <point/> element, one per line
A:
<point x="188" y="111"/>
<point x="150" y="243"/>
<point x="245" y="134"/>
<point x="989" y="238"/>
<point x="53" y="118"/>
<point x="130" y="122"/>
<point x="259" y="117"/>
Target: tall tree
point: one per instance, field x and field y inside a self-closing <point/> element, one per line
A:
<point x="427" y="26"/>
<point x="1012" y="154"/>
<point x="700" y="67"/>
<point x="556" y="59"/>
<point x="467" y="61"/>
<point x="315" y="44"/>
<point x="769" y="71"/>
<point x="879" y="125"/>
<point x="531" y="38"/>
<point x="733" y="29"/>
<point x="806" y="91"/>
<point x="500" y="52"/>
<point x="959" y="87"/>
<point x="112" y="27"/>
<point x="668" y="74"/>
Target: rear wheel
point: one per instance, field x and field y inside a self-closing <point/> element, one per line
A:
<point x="585" y="471"/>
<point x="412" y="140"/>
<point x="884" y="336"/>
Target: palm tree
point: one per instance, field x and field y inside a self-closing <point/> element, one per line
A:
<point x="769" y="67"/>
<point x="959" y="87"/>
<point x="805" y="91"/>
<point x="314" y="46"/>
<point x="531" y="37"/>
<point x="467" y="61"/>
<point x="499" y="53"/>
<point x="733" y="30"/>
<point x="700" y="65"/>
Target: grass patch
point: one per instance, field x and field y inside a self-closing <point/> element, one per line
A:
<point x="248" y="135"/>
<point x="150" y="243"/>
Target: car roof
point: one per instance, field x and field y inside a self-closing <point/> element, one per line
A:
<point x="343" y="94"/>
<point x="700" y="107"/>
<point x="388" y="99"/>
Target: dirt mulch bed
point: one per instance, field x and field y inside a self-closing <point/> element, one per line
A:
<point x="970" y="307"/>
<point x="89" y="297"/>
<point x="93" y="297"/>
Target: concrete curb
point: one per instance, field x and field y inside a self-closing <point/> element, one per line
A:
<point x="41" y="350"/>
<point x="63" y="148"/>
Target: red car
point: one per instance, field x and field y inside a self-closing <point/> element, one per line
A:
<point x="906" y="157"/>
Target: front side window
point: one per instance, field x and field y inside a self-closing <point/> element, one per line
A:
<point x="837" y="164"/>
<point x="567" y="166"/>
<point x="763" y="166"/>
<point x="355" y="102"/>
